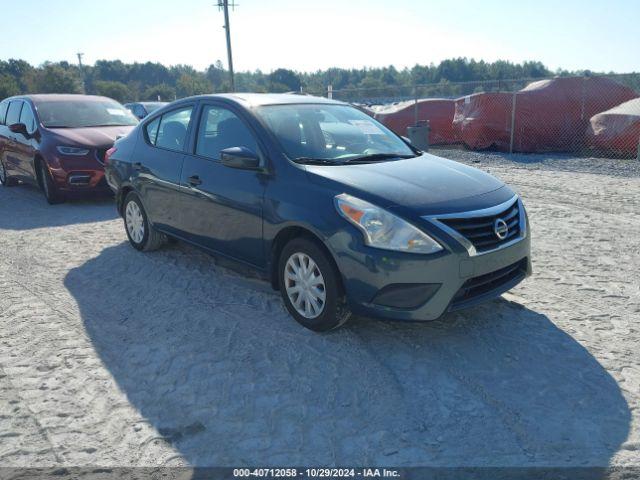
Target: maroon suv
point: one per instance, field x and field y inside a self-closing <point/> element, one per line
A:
<point x="58" y="142"/>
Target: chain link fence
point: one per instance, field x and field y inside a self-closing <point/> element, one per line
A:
<point x="590" y="115"/>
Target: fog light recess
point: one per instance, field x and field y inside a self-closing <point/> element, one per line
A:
<point x="406" y="296"/>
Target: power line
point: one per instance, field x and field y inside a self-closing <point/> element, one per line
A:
<point x="224" y="4"/>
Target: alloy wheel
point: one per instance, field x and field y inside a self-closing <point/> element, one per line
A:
<point x="305" y="285"/>
<point x="135" y="222"/>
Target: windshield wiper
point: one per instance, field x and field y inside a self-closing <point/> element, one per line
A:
<point x="376" y="157"/>
<point x="316" y="161"/>
<point x="372" y="157"/>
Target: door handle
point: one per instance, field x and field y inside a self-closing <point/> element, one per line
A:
<point x="194" y="180"/>
<point x="137" y="166"/>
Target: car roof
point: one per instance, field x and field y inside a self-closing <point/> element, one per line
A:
<point x="260" y="99"/>
<point x="63" y="97"/>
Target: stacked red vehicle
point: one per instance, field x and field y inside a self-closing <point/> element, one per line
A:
<point x="564" y="114"/>
<point x="439" y="113"/>
<point x="547" y="116"/>
<point x="616" y="132"/>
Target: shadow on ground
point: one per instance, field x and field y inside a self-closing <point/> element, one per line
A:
<point x="215" y="364"/>
<point x="24" y="207"/>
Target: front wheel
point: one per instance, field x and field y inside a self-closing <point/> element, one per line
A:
<point x="142" y="235"/>
<point x="310" y="286"/>
<point x="49" y="188"/>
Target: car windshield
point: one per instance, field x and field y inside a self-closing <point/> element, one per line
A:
<point x="331" y="134"/>
<point x="83" y="113"/>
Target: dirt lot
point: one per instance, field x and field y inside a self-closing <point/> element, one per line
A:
<point x="113" y="357"/>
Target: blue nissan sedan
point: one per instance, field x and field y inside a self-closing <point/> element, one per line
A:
<point x="340" y="214"/>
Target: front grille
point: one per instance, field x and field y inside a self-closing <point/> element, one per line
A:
<point x="100" y="153"/>
<point x="489" y="284"/>
<point x="481" y="231"/>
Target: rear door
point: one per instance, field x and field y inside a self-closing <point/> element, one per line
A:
<point x="223" y="206"/>
<point x="158" y="164"/>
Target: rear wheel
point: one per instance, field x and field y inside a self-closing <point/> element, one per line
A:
<point x="310" y="286"/>
<point x="5" y="179"/>
<point x="142" y="235"/>
<point x="51" y="192"/>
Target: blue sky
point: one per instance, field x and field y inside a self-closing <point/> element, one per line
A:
<point x="308" y="35"/>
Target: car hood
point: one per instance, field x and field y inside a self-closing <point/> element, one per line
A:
<point x="91" y="136"/>
<point x="424" y="184"/>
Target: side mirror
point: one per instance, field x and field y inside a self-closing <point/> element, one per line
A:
<point x="406" y="140"/>
<point x="240" y="157"/>
<point x="19" y="128"/>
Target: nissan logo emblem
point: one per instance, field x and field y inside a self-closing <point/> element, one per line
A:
<point x="500" y="228"/>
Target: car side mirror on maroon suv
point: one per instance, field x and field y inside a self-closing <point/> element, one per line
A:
<point x="19" y="128"/>
<point x="240" y="157"/>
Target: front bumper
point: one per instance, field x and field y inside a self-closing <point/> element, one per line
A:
<point x="76" y="174"/>
<point x="464" y="280"/>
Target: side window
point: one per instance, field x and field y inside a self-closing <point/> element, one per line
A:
<point x="152" y="130"/>
<point x="172" y="131"/>
<point x="27" y="118"/>
<point x="13" y="114"/>
<point x="219" y="129"/>
<point x="3" y="111"/>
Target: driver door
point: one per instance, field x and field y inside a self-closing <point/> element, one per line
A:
<point x="26" y="146"/>
<point x="10" y="155"/>
<point x="222" y="206"/>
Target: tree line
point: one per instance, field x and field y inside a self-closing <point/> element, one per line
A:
<point x="152" y="81"/>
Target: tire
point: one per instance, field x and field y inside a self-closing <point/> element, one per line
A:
<point x="321" y="308"/>
<point x="141" y="234"/>
<point x="51" y="192"/>
<point x="5" y="179"/>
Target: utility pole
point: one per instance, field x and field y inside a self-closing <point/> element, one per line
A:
<point x="84" y="86"/>
<point x="224" y="4"/>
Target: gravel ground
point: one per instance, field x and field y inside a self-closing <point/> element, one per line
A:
<point x="113" y="357"/>
<point x="558" y="162"/>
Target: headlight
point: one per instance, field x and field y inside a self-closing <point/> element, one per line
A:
<point x="72" y="150"/>
<point x="382" y="229"/>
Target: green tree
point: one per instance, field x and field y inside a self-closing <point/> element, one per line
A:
<point x="111" y="70"/>
<point x="283" y="78"/>
<point x="162" y="92"/>
<point x="18" y="69"/>
<point x="148" y="80"/>
<point x="8" y="86"/>
<point x="151" y="74"/>
<point x="193" y="84"/>
<point x="53" y="78"/>
<point x="116" y="90"/>
<point x="217" y="76"/>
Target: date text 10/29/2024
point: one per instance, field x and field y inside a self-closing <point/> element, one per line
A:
<point x="328" y="473"/>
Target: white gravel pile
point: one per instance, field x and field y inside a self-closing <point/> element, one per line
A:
<point x="113" y="357"/>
